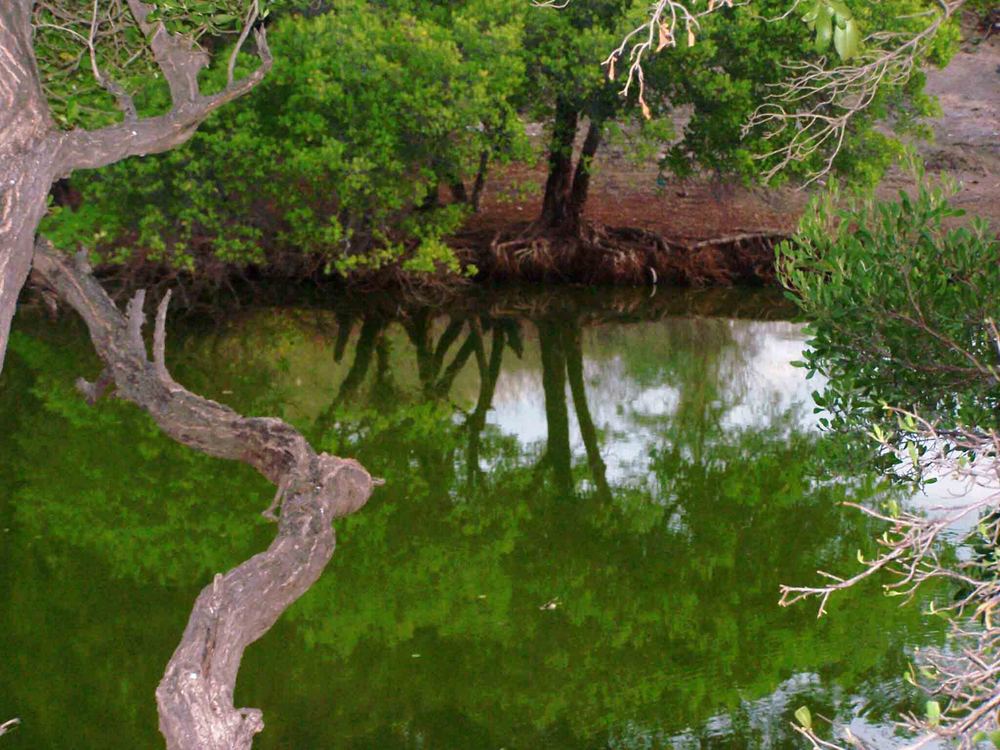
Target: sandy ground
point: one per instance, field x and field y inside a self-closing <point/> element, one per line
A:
<point x="966" y="147"/>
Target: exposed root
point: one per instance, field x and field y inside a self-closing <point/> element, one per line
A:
<point x="598" y="254"/>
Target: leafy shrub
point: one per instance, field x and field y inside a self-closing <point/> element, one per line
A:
<point x="902" y="305"/>
<point x="333" y="163"/>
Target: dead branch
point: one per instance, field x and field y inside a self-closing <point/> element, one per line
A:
<point x="963" y="677"/>
<point x="660" y="30"/>
<point x="34" y="151"/>
<point x="195" y="697"/>
<point x="815" y="105"/>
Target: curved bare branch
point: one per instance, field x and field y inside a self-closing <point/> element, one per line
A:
<point x="195" y="697"/>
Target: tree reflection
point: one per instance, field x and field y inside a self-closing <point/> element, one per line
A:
<point x="434" y="630"/>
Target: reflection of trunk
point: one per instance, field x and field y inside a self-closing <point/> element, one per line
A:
<point x="368" y="339"/>
<point x="574" y="370"/>
<point x="566" y="188"/>
<point x="345" y="322"/>
<point x="467" y="349"/>
<point x="384" y="387"/>
<point x="450" y="335"/>
<point x="489" y="372"/>
<point x="370" y="330"/>
<point x="430" y="357"/>
<point x="195" y="696"/>
<point x="557" y="453"/>
<point x="418" y="329"/>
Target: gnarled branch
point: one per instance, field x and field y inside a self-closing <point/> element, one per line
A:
<point x="195" y="697"/>
<point x="180" y="59"/>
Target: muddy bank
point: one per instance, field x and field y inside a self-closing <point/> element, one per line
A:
<point x="628" y="192"/>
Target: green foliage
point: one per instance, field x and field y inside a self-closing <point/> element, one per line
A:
<point x="901" y="304"/>
<point x="335" y="162"/>
<point x="337" y="158"/>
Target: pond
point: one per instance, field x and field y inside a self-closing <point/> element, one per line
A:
<point x="591" y="499"/>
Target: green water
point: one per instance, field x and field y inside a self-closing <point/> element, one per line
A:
<point x="590" y="502"/>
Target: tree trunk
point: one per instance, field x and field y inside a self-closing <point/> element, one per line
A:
<point x="26" y="184"/>
<point x="566" y="187"/>
<point x="458" y="192"/>
<point x="480" y="181"/>
<point x="555" y="204"/>
<point x="26" y="156"/>
<point x="581" y="178"/>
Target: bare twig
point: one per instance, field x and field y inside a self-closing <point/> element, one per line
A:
<point x="653" y="35"/>
<point x="964" y="676"/>
<point x="812" y="109"/>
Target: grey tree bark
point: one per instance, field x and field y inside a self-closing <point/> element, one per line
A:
<point x="25" y="159"/>
<point x="34" y="152"/>
<point x="195" y="697"/>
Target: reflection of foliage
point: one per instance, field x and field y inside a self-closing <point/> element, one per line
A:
<point x="126" y="504"/>
<point x="663" y="584"/>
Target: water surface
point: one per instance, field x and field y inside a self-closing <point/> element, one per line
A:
<point x="591" y="499"/>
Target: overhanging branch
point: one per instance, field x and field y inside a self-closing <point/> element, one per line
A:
<point x="195" y="697"/>
<point x="180" y="60"/>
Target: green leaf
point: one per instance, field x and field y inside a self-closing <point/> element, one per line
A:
<point x="933" y="713"/>
<point x="824" y="28"/>
<point x="845" y="39"/>
<point x="804" y="717"/>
